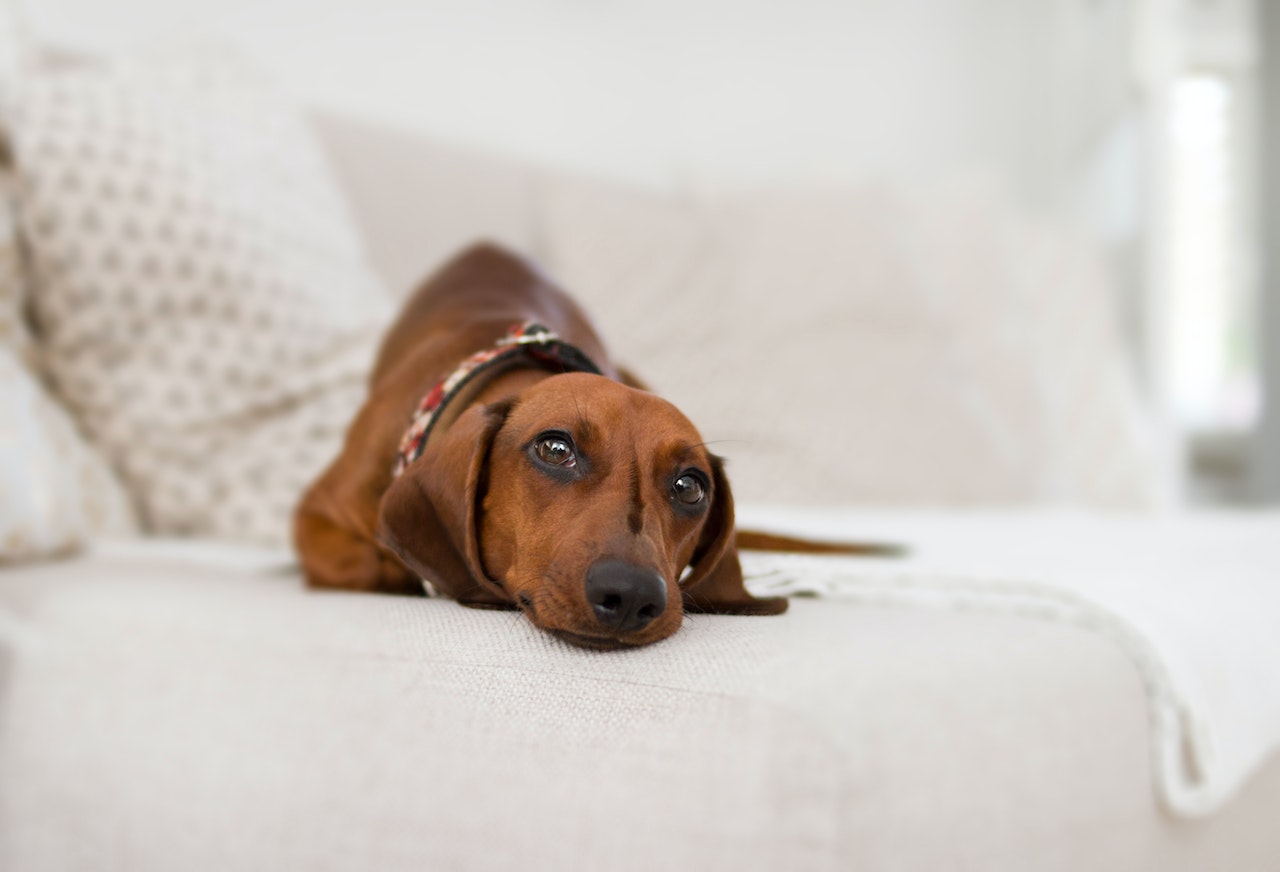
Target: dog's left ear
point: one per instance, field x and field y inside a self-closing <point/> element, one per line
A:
<point x="715" y="583"/>
<point x="428" y="516"/>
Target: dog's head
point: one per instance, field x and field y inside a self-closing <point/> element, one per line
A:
<point x="592" y="507"/>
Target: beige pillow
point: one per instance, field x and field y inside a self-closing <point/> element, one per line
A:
<point x="57" y="491"/>
<point x="203" y="300"/>
<point x="865" y="346"/>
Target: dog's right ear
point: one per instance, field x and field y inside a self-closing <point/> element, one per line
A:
<point x="715" y="583"/>
<point x="428" y="517"/>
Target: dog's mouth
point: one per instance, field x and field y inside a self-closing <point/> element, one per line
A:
<point x="594" y="643"/>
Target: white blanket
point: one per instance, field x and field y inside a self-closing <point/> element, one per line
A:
<point x="1193" y="599"/>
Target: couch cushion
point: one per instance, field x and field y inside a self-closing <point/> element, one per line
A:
<point x="163" y="709"/>
<point x="869" y="345"/>
<point x="419" y="201"/>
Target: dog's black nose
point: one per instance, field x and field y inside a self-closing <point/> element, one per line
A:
<point x="625" y="598"/>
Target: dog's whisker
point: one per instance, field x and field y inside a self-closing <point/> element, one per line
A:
<point x="723" y="441"/>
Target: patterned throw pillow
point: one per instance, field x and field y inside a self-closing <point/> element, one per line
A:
<point x="56" y="491"/>
<point x="203" y="302"/>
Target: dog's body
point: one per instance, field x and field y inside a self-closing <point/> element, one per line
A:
<point x="583" y="500"/>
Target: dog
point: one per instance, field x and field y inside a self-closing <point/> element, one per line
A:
<point x="503" y="459"/>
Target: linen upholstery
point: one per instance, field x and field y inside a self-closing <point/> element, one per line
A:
<point x="1189" y="597"/>
<point x="164" y="708"/>
<point x="870" y="345"/>
<point x="419" y="201"/>
<point x="964" y="354"/>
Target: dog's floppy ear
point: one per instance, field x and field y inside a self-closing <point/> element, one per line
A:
<point x="428" y="516"/>
<point x="715" y="582"/>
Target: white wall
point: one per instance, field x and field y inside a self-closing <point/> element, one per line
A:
<point x="719" y="92"/>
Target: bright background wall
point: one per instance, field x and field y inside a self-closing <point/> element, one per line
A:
<point x="674" y="91"/>
<point x="1134" y="121"/>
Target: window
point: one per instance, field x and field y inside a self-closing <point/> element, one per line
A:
<point x="1213" y="364"/>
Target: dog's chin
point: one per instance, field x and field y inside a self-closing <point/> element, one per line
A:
<point x="590" y="636"/>
<point x="597" y="643"/>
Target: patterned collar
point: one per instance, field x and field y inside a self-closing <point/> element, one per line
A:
<point x="529" y="340"/>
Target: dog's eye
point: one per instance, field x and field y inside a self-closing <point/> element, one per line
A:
<point x="556" y="450"/>
<point x="689" y="489"/>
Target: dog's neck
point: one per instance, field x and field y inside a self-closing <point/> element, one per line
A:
<point x="527" y="354"/>
<point x="491" y="387"/>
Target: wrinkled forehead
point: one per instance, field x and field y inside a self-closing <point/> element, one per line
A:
<point x="597" y="410"/>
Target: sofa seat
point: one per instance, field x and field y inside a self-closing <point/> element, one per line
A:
<point x="185" y="705"/>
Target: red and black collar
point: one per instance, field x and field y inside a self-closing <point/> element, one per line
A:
<point x="529" y="340"/>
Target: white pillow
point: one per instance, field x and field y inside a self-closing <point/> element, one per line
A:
<point x="203" y="300"/>
<point x="865" y="345"/>
<point x="57" y="492"/>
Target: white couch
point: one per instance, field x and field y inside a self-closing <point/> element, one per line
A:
<point x="170" y="704"/>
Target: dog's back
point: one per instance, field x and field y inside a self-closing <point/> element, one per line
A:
<point x="466" y="305"/>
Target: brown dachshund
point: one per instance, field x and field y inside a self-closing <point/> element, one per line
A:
<point x="538" y="475"/>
